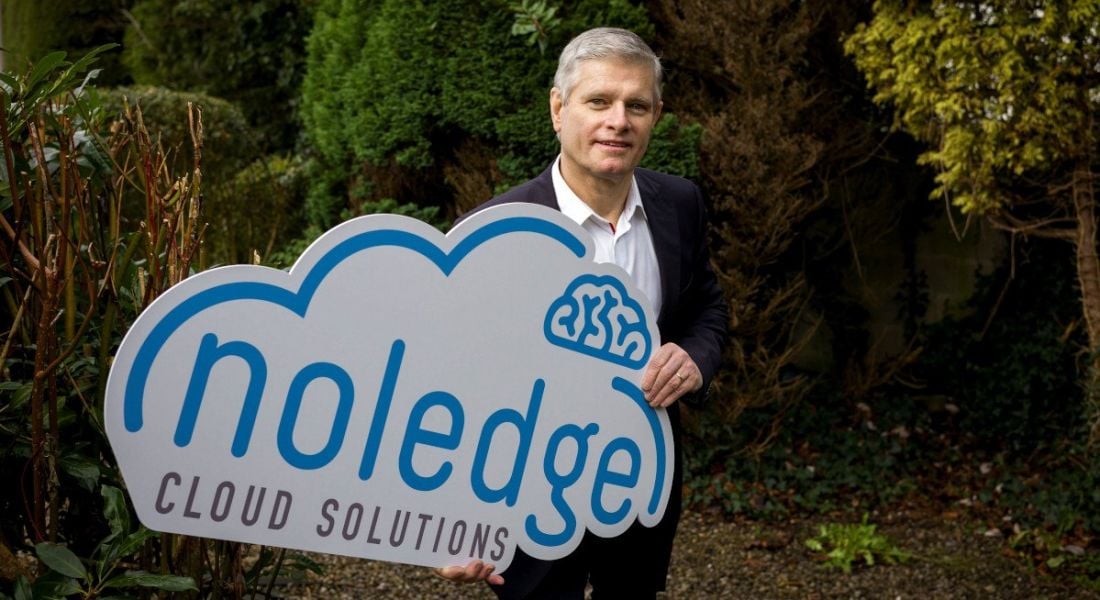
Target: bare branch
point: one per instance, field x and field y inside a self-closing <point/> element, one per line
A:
<point x="1044" y="228"/>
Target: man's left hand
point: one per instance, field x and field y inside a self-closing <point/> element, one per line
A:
<point x="473" y="572"/>
<point x="669" y="376"/>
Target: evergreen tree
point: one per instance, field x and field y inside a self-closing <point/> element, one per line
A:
<point x="445" y="102"/>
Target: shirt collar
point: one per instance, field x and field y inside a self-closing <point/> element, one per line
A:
<point x="573" y="207"/>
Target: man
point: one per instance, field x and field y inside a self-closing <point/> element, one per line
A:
<point x="605" y="101"/>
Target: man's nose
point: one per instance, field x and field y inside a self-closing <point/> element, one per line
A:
<point x="617" y="116"/>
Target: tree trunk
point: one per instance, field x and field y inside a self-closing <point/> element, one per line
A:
<point x="1088" y="264"/>
<point x="1088" y="278"/>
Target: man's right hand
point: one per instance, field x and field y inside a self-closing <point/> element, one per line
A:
<point x="475" y="571"/>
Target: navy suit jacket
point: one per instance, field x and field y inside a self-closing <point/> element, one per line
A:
<point x="693" y="315"/>
<point x="693" y="311"/>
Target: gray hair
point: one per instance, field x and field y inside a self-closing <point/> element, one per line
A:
<point x="605" y="42"/>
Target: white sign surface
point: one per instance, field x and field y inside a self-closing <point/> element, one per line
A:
<point x="399" y="395"/>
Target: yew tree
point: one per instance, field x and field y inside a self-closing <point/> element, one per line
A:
<point x="1005" y="93"/>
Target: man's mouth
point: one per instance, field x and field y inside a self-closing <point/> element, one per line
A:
<point x="613" y="144"/>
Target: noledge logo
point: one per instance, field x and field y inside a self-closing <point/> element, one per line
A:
<point x="399" y="395"/>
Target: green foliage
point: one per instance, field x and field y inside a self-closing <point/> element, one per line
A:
<point x="110" y="256"/>
<point x="1001" y="90"/>
<point x="251" y="53"/>
<point x="33" y="29"/>
<point x="844" y="544"/>
<point x="535" y="20"/>
<point x="674" y="147"/>
<point x="1005" y="93"/>
<point x="428" y="68"/>
<point x="325" y="196"/>
<point x="44" y="81"/>
<point x="1058" y="551"/>
<point x="250" y="199"/>
<point x="228" y="141"/>
<point x="69" y="576"/>
<point x="411" y="87"/>
<point x="78" y="271"/>
<point x="1054" y="494"/>
<point x="55" y="95"/>
<point x="263" y="207"/>
<point x="773" y="461"/>
<point x="287" y="255"/>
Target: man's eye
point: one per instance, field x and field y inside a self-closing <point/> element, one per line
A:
<point x="598" y="102"/>
<point x="639" y="107"/>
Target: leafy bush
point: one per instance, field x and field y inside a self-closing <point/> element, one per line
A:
<point x="33" y="29"/>
<point x="251" y="201"/>
<point x="387" y="82"/>
<point x="265" y="200"/>
<point x="228" y="142"/>
<point x="674" y="147"/>
<point x="440" y="103"/>
<point x="815" y="458"/>
<point x="285" y="257"/>
<point x="77" y="272"/>
<point x="68" y="575"/>
<point x="780" y="142"/>
<point x="251" y="53"/>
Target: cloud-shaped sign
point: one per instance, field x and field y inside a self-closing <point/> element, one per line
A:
<point x="398" y="395"/>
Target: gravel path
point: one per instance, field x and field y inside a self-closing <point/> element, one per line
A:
<point x="718" y="559"/>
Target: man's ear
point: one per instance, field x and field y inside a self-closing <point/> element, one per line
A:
<point x="657" y="113"/>
<point x="555" y="108"/>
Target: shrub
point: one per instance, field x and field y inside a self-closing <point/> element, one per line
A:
<point x="228" y="144"/>
<point x="266" y="199"/>
<point x="75" y="275"/>
<point x="763" y="81"/>
<point x="440" y="102"/>
<point x="245" y="205"/>
<point x="31" y="29"/>
<point x="251" y="53"/>
<point x="814" y="458"/>
<point x="289" y="253"/>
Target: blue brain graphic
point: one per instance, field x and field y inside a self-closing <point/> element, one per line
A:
<point x="596" y="316"/>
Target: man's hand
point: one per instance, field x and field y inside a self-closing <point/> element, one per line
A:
<point x="474" y="571"/>
<point x="670" y="374"/>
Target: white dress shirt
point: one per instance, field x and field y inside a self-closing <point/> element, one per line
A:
<point x="627" y="243"/>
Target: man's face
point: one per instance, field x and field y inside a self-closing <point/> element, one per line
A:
<point x="605" y="124"/>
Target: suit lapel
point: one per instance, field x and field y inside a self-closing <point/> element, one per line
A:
<point x="542" y="192"/>
<point x="663" y="227"/>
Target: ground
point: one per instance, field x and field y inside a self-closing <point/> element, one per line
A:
<point x="952" y="557"/>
